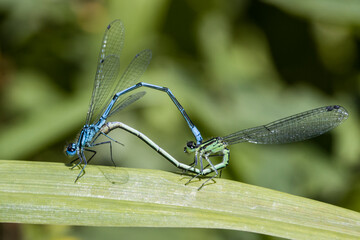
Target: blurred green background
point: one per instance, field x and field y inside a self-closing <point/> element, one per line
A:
<point x="231" y="64"/>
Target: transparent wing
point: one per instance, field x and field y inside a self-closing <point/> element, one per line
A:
<point x="295" y="128"/>
<point x="127" y="101"/>
<point x="107" y="69"/>
<point x="133" y="72"/>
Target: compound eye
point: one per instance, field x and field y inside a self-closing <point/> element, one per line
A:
<point x="71" y="149"/>
<point x="190" y="144"/>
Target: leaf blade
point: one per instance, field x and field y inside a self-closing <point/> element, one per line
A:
<point x="45" y="193"/>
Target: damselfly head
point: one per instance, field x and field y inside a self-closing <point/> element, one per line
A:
<point x="190" y="147"/>
<point x="70" y="150"/>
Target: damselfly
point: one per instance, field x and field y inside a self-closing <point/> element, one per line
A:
<point x="108" y="93"/>
<point x="295" y="128"/>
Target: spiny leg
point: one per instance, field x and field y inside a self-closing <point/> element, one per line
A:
<point x="110" y="138"/>
<point x="201" y="164"/>
<point x="225" y="153"/>
<point x="202" y="155"/>
<point x="79" y="157"/>
<point x="107" y="142"/>
<point x="82" y="158"/>
<point x="215" y="170"/>
<point x="94" y="153"/>
<point x="216" y="166"/>
<point x="209" y="162"/>
<point x="200" y="160"/>
<point x="197" y="175"/>
<point x="193" y="164"/>
<point x="97" y="136"/>
<point x="73" y="162"/>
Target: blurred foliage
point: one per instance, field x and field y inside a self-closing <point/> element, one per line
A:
<point x="231" y="64"/>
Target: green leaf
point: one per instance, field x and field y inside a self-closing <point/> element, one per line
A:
<point x="45" y="193"/>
